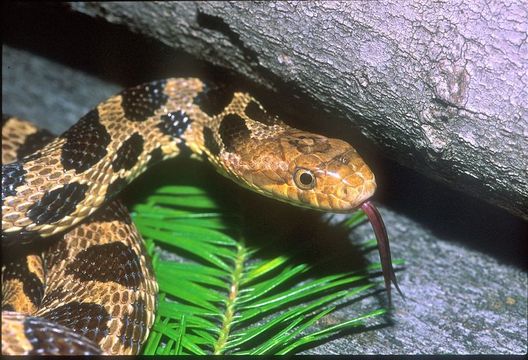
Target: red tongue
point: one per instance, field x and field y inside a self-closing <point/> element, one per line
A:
<point x="383" y="247"/>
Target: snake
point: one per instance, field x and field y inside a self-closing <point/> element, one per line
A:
<point x="76" y="278"/>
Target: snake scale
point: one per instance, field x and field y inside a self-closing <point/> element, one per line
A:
<point x="77" y="279"/>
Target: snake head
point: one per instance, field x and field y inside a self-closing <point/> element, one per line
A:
<point x="307" y="170"/>
<point x="316" y="172"/>
<point x="327" y="174"/>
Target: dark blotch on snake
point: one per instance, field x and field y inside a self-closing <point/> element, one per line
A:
<point x="210" y="142"/>
<point x="13" y="175"/>
<point x="134" y="324"/>
<point x="185" y="151"/>
<point x="119" y="264"/>
<point x="35" y="142"/>
<point x="24" y="237"/>
<point x="47" y="338"/>
<point x="255" y="112"/>
<point x="141" y="102"/>
<point x="213" y="99"/>
<point x="174" y="124"/>
<point x="114" y="188"/>
<point x="127" y="155"/>
<point x="113" y="211"/>
<point x="86" y="143"/>
<point x="156" y="156"/>
<point x="32" y="287"/>
<point x="233" y="130"/>
<point x="57" y="294"/>
<point x="88" y="319"/>
<point x="56" y="204"/>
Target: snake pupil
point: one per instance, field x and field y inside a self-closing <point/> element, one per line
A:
<point x="306" y="179"/>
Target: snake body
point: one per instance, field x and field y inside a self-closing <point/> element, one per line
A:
<point x="99" y="288"/>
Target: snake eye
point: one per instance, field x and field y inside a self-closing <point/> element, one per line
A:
<point x="304" y="179"/>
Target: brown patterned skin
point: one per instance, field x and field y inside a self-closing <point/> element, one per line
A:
<point x="53" y="189"/>
<point x="101" y="283"/>
<point x="81" y="165"/>
<point x="100" y="288"/>
<point x="36" y="336"/>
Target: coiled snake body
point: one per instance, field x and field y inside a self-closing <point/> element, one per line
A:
<point x="99" y="293"/>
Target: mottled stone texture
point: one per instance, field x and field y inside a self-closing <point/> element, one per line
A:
<point x="441" y="87"/>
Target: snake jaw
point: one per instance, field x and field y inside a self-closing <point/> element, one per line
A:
<point x="383" y="247"/>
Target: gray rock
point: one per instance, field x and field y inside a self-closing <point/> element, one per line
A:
<point x="440" y="87"/>
<point x="48" y="100"/>
<point x="458" y="301"/>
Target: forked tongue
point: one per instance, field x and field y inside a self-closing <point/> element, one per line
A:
<point x="383" y="247"/>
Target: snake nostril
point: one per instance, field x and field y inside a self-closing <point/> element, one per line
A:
<point x="345" y="192"/>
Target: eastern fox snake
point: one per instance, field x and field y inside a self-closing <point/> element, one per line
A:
<point x="94" y="290"/>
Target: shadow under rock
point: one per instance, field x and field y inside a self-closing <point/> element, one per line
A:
<point x="453" y="215"/>
<point x="277" y="228"/>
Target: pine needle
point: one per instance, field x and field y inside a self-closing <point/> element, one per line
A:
<point x="222" y="298"/>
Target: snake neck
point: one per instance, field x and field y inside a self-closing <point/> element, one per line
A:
<point x="53" y="188"/>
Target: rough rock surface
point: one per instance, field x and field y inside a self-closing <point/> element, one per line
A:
<point x="441" y="87"/>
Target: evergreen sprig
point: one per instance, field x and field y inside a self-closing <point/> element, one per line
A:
<point x="220" y="297"/>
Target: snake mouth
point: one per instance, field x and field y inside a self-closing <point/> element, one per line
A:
<point x="383" y="247"/>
